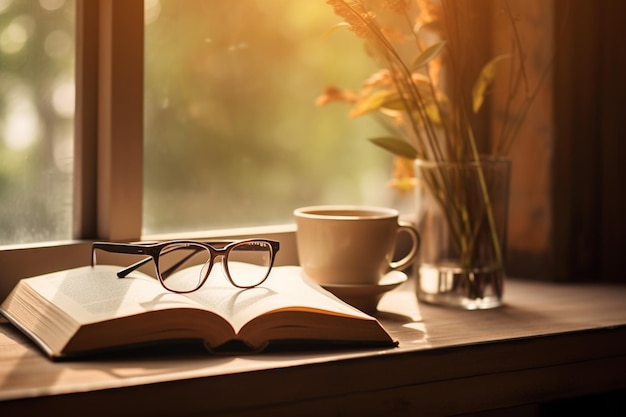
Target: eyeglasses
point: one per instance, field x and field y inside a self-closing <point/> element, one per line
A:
<point x="246" y="263"/>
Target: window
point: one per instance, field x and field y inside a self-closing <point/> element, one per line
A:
<point x="36" y="120"/>
<point x="232" y="134"/>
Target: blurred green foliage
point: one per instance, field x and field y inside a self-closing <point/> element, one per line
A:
<point x="233" y="137"/>
<point x="36" y="68"/>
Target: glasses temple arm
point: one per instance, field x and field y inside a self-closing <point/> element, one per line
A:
<point x="124" y="272"/>
<point x="168" y="271"/>
<point x="164" y="274"/>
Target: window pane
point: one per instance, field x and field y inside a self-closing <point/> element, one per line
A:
<point x="233" y="137"/>
<point x="36" y="119"/>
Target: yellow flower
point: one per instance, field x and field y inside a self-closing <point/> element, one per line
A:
<point x="381" y="78"/>
<point x="334" y="94"/>
<point x="355" y="14"/>
<point x="398" y="6"/>
<point x="430" y="11"/>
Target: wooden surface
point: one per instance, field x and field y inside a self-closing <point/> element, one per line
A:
<point x="549" y="342"/>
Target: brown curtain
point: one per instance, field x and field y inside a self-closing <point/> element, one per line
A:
<point x="589" y="152"/>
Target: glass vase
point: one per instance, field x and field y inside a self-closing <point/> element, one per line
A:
<point x="462" y="210"/>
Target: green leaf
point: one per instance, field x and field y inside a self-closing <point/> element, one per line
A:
<point x="485" y="79"/>
<point x="396" y="146"/>
<point x="428" y="54"/>
<point x="334" y="28"/>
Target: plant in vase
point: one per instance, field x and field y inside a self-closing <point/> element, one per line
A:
<point x="429" y="94"/>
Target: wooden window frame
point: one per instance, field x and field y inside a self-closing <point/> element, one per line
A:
<point x="108" y="141"/>
<point x="108" y="170"/>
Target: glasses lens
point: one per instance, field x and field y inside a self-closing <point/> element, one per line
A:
<point x="191" y="257"/>
<point x="249" y="263"/>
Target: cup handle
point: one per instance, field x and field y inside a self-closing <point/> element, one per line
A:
<point x="415" y="246"/>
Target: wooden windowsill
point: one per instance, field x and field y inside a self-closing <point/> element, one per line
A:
<point x="549" y="342"/>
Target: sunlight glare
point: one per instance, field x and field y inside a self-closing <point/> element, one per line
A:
<point x="15" y="35"/>
<point x="63" y="98"/>
<point x="51" y="4"/>
<point x="4" y="4"/>
<point x="152" y="10"/>
<point x="22" y="127"/>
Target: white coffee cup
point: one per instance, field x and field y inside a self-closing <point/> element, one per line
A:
<point x="351" y="245"/>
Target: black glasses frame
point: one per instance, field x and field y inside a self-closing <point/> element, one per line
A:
<point x="154" y="250"/>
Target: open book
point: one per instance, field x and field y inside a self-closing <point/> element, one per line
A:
<point x="89" y="309"/>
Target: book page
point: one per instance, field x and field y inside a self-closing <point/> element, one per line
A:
<point x="286" y="288"/>
<point x="93" y="294"/>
